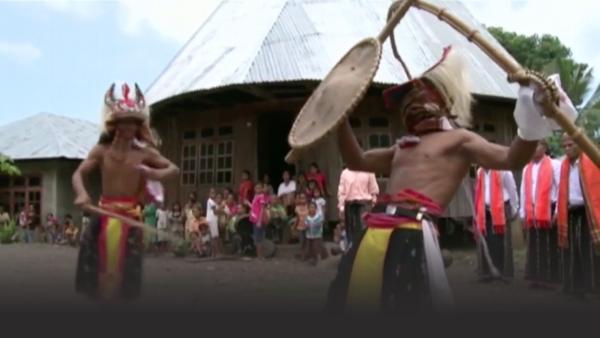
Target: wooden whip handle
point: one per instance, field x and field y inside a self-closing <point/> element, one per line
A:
<point x="511" y="66"/>
<point x="402" y="7"/>
<point x="103" y="212"/>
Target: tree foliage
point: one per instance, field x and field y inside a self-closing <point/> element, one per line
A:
<point x="8" y="167"/>
<point x="576" y="78"/>
<point x="547" y="54"/>
<point x="533" y="51"/>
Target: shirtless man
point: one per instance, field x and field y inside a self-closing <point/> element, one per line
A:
<point x="385" y="269"/>
<point x="110" y="257"/>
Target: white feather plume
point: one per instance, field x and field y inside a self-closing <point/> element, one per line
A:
<point x="452" y="80"/>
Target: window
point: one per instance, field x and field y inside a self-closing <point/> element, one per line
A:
<point x="210" y="160"/>
<point x="226" y="131"/>
<point x="189" y="135"/>
<point x="188" y="165"/>
<point x="16" y="192"/>
<point x="379" y="140"/>
<point x="207" y="165"/>
<point x="224" y="168"/>
<point x="373" y="132"/>
<point x="379" y="122"/>
<point x="207" y="132"/>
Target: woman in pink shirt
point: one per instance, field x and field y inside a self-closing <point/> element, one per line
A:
<point x="259" y="218"/>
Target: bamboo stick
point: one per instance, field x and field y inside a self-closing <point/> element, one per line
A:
<point x="103" y="212"/>
<point x="514" y="70"/>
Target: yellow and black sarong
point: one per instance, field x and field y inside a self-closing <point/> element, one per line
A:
<point x="386" y="270"/>
<point x="110" y="257"/>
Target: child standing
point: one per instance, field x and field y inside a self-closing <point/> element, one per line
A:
<point x="71" y="231"/>
<point x="213" y="221"/>
<point x="150" y="219"/>
<point x="51" y="228"/>
<point x="339" y="237"/>
<point x="162" y="224"/>
<point x="279" y="220"/>
<point x="320" y="202"/>
<point x="310" y="190"/>
<point x="300" y="225"/>
<point x="176" y="220"/>
<point x="321" y="209"/>
<point x="259" y="218"/>
<point x="314" y="232"/>
<point x="223" y="214"/>
<point x="195" y="227"/>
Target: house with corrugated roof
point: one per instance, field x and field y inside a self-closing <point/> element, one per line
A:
<point x="47" y="148"/>
<point x="227" y="100"/>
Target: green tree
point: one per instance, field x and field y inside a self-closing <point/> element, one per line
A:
<point x="589" y="119"/>
<point x="576" y="78"/>
<point x="8" y="167"/>
<point x="547" y="54"/>
<point x="533" y="51"/>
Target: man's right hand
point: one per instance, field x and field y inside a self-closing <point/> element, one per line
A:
<point x="532" y="123"/>
<point x="82" y="200"/>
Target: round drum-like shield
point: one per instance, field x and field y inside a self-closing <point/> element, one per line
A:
<point x="337" y="94"/>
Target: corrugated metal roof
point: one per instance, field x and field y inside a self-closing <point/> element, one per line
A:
<point x="45" y="136"/>
<point x="258" y="41"/>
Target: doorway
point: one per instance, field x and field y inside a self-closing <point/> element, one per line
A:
<point x="272" y="146"/>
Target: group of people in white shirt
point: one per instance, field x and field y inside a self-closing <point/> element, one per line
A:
<point x="563" y="245"/>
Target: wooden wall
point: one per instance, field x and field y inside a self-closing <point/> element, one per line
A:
<point x="171" y="125"/>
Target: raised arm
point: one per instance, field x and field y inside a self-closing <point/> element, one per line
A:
<point x="88" y="165"/>
<point x="377" y="160"/>
<point x="495" y="156"/>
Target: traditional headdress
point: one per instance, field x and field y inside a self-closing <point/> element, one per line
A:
<point x="127" y="108"/>
<point x="444" y="87"/>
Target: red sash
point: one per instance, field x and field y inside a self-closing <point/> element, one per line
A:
<point x="540" y="216"/>
<point x="496" y="203"/>
<point x="589" y="176"/>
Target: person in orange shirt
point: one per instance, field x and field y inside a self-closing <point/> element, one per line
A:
<point x="578" y="216"/>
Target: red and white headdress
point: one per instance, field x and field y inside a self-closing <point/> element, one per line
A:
<point x="445" y="86"/>
<point x="127" y="108"/>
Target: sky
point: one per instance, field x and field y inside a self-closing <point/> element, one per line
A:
<point x="60" y="56"/>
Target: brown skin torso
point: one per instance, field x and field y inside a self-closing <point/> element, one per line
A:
<point x="437" y="164"/>
<point x="120" y="174"/>
<point x="435" y="167"/>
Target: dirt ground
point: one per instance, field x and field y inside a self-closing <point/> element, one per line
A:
<point x="40" y="274"/>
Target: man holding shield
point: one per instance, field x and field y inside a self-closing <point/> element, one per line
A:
<point x="396" y="264"/>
